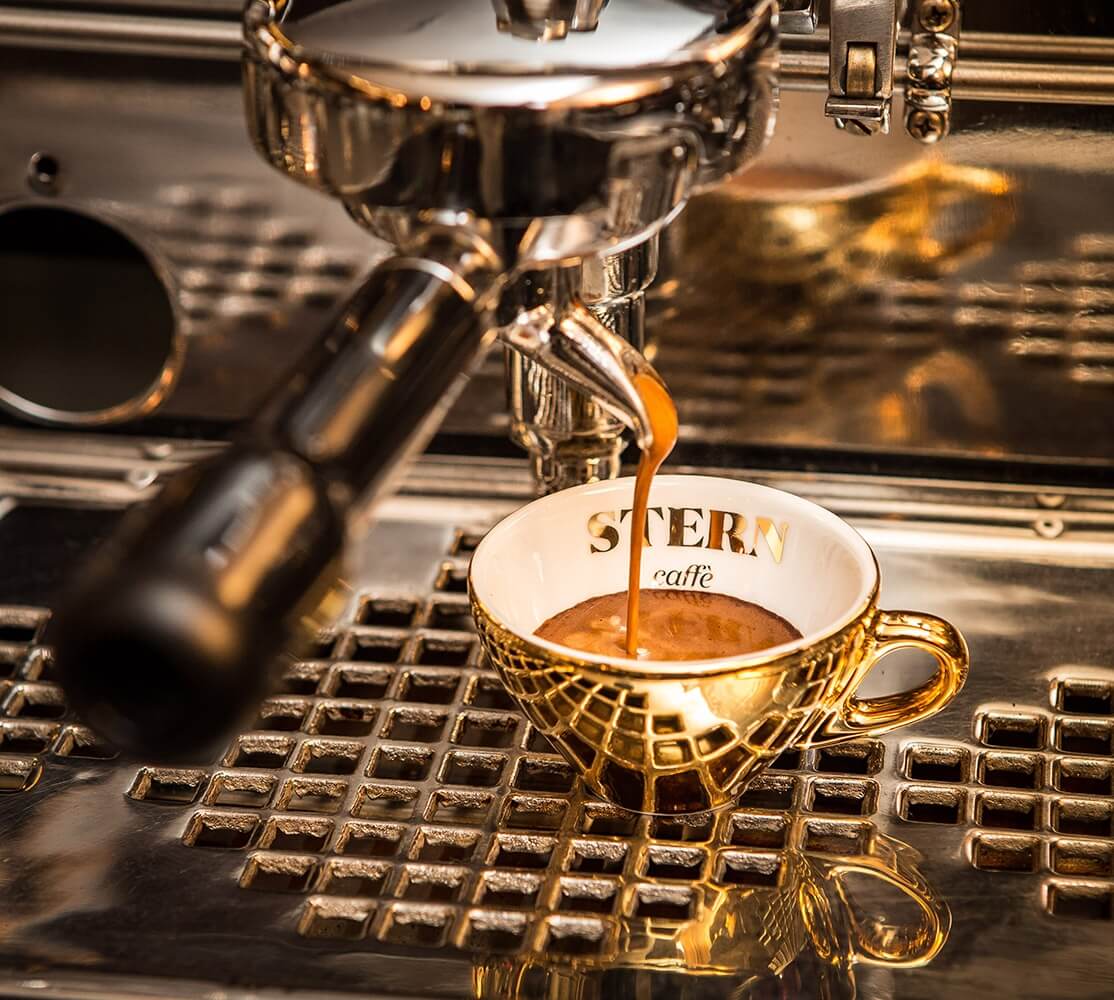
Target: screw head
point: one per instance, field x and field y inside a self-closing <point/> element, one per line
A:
<point x="937" y="15"/>
<point x="926" y="126"/>
<point x="43" y="173"/>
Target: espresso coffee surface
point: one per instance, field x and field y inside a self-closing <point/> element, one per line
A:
<point x="672" y="625"/>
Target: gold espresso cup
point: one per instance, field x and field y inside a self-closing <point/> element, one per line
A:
<point x="684" y="736"/>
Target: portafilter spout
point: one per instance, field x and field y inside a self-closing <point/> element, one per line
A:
<point x="482" y="157"/>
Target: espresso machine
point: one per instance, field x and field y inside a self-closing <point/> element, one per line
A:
<point x="300" y="297"/>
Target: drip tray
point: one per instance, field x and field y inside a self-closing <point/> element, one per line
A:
<point x="389" y="823"/>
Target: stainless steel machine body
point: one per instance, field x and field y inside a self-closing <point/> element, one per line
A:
<point x="914" y="333"/>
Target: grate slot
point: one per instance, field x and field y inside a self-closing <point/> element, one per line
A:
<point x="928" y="762"/>
<point x="267" y="752"/>
<point x="443" y="652"/>
<point x="387" y="612"/>
<point x="338" y="718"/>
<point x="252" y="790"/>
<point x="363" y="683"/>
<point x="1083" y="817"/>
<point x="1084" y="697"/>
<point x="1085" y="737"/>
<point x="348" y="877"/>
<point x="749" y="868"/>
<point x="1011" y="730"/>
<point x="335" y="919"/>
<point x="328" y="757"/>
<point x="494" y="731"/>
<point x="1083" y="777"/>
<point x="302" y="678"/>
<point x="430" y="688"/>
<point x="1081" y="857"/>
<point x="597" y="857"/>
<point x="415" y="725"/>
<point x="788" y="760"/>
<point x="479" y="769"/>
<point x="444" y="844"/>
<point x="495" y="931"/>
<point x="318" y="795"/>
<point x="588" y="895"/>
<point x="1007" y="812"/>
<point x="177" y="786"/>
<point x="17" y="774"/>
<point x="77" y="741"/>
<point x="674" y="862"/>
<point x="1084" y="902"/>
<point x="282" y="715"/>
<point x="451" y="806"/>
<point x="488" y="692"/>
<point x="26" y="737"/>
<point x="758" y="830"/>
<point x="534" y="774"/>
<point x="320" y="647"/>
<point x="450" y="616"/>
<point x="296" y="833"/>
<point x="35" y="701"/>
<point x="604" y="820"/>
<point x="851" y="758"/>
<point x="575" y="936"/>
<point x="836" y="836"/>
<point x="466" y="543"/>
<point x="278" y="873"/>
<point x="370" y="840"/>
<point x="498" y="888"/>
<point x="360" y="648"/>
<point x="932" y="805"/>
<point x="452" y="579"/>
<point x="533" y="812"/>
<point x="844" y="797"/>
<point x="432" y="883"/>
<point x="664" y="902"/>
<point x="769" y="792"/>
<point x="1010" y="770"/>
<point x="401" y="763"/>
<point x="374" y="801"/>
<point x="687" y="829"/>
<point x="1002" y="853"/>
<point x="223" y="830"/>
<point x="514" y="851"/>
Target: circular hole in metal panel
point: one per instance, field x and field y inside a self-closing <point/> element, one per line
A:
<point x="87" y="326"/>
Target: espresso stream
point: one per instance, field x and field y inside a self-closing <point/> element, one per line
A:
<point x="663" y="624"/>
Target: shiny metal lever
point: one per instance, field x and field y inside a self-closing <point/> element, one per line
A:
<point x="863" y="48"/>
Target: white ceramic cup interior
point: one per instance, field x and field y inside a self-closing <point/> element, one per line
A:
<point x="706" y="533"/>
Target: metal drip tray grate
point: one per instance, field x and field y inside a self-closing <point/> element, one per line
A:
<point x="389" y="806"/>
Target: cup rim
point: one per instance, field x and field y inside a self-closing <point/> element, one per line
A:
<point x="681" y="668"/>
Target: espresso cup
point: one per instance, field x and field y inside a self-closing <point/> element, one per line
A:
<point x="671" y="737"/>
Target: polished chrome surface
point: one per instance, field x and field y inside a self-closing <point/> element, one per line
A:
<point x="473" y="857"/>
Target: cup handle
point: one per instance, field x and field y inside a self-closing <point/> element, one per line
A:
<point x="876" y="942"/>
<point x="894" y="630"/>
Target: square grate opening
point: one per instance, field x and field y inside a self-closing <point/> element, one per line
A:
<point x="370" y="840"/>
<point x="77" y="741"/>
<point x="338" y="718"/>
<point x="1082" y="902"/>
<point x="1083" y="777"/>
<point x="443" y="652"/>
<point x="362" y="683"/>
<point x="1082" y="857"/>
<point x="692" y="829"/>
<point x="501" y="889"/>
<point x="176" y="786"/>
<point x="335" y="919"/>
<point x="429" y="688"/>
<point x="932" y="805"/>
<point x="1083" y="817"/>
<point x="664" y="902"/>
<point x="437" y="844"/>
<point x="35" y="701"/>
<point x="522" y="851"/>
<point x="836" y="836"/>
<point x="222" y="830"/>
<point x="17" y="774"/>
<point x="317" y="795"/>
<point x="1001" y="853"/>
<point x="1015" y="730"/>
<point x="483" y="730"/>
<point x="769" y="792"/>
<point x="1081" y="736"/>
<point x="749" y="868"/>
<point x="451" y="616"/>
<point x="401" y="763"/>
<point x="597" y="857"/>
<point x="1010" y="770"/>
<point x="249" y="790"/>
<point x="432" y="883"/>
<point x="295" y="833"/>
<point x="608" y="821"/>
<point x="274" y="873"/>
<point x="1084" y="697"/>
<point x="570" y="936"/>
<point x="759" y="830"/>
<point x="674" y="863"/>
<point x="387" y="612"/>
<point x="281" y="715"/>
<point x="479" y="769"/>
<point x="374" y="801"/>
<point x="496" y="931"/>
<point x="843" y="797"/>
<point x="346" y="877"/>
<point x="452" y="579"/>
<point x="263" y="752"/>
<point x="1007" y="812"/>
<point x="417" y="725"/>
<point x="533" y="812"/>
<point x="361" y="648"/>
<point x="582" y="895"/>
<point x="448" y="805"/>
<point x="541" y="774"/>
<point x="928" y="762"/>
<point x="488" y="692"/>
<point x="788" y="760"/>
<point x="851" y="758"/>
<point x="328" y="757"/>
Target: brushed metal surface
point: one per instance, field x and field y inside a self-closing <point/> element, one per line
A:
<point x="442" y="793"/>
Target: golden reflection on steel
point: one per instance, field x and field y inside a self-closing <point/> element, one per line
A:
<point x="681" y="743"/>
<point x="748" y="932"/>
